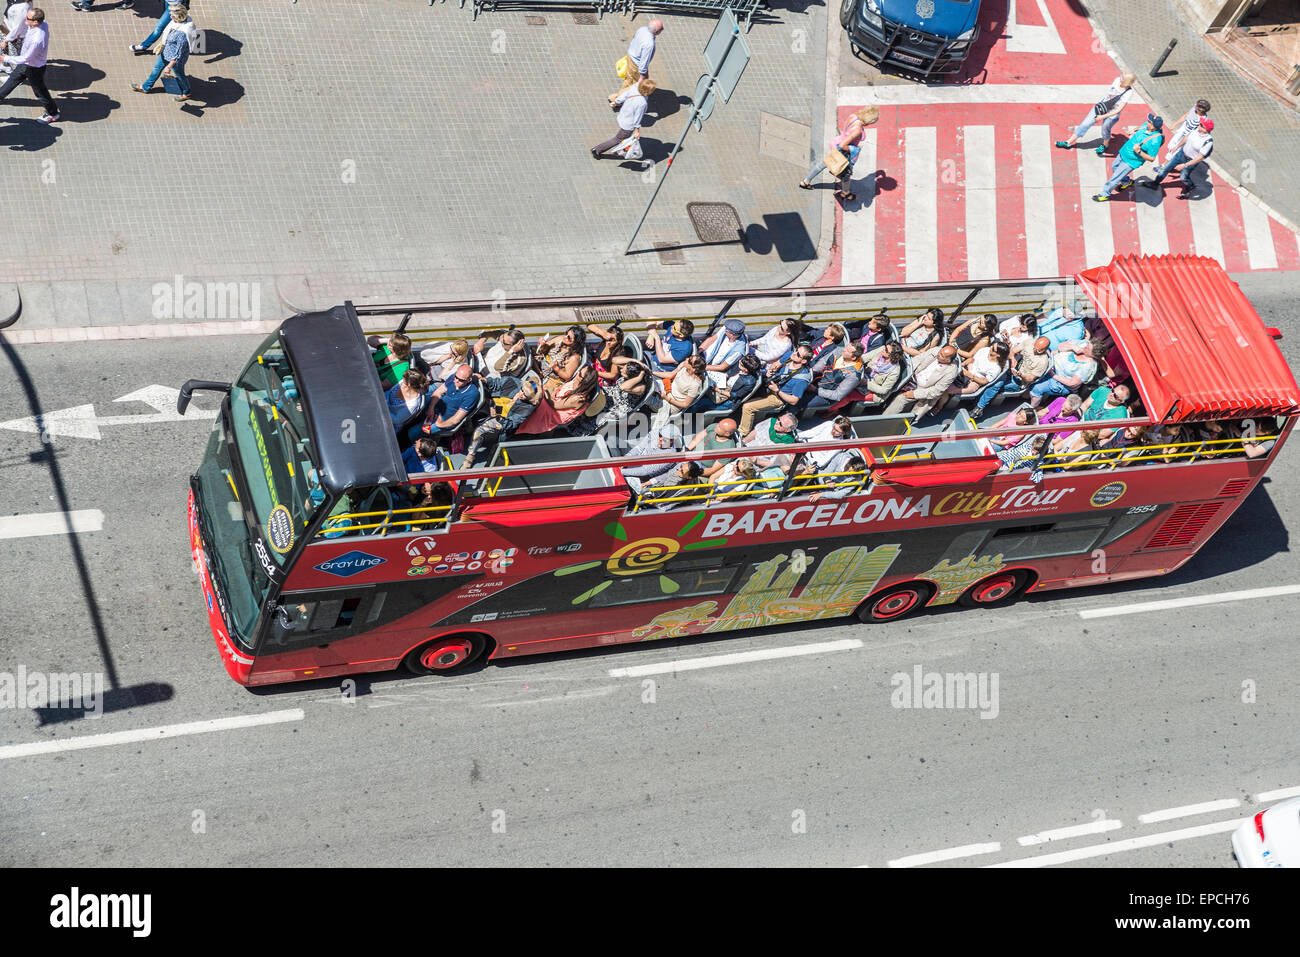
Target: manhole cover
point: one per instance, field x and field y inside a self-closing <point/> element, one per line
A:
<point x="715" y="222"/>
<point x="535" y="21"/>
<point x="585" y="19"/>
<point x="604" y="315"/>
<point x="670" y="254"/>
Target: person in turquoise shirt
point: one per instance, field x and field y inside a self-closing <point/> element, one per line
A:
<point x="1143" y="145"/>
<point x="1107" y="403"/>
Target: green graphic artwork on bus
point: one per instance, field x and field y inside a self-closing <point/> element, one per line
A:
<point x="641" y="557"/>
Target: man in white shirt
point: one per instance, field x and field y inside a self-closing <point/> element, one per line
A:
<point x="933" y="373"/>
<point x="1195" y="149"/>
<point x="723" y="350"/>
<point x="1190" y="124"/>
<point x="632" y="103"/>
<point x="29" y="65"/>
<point x="642" y="48"/>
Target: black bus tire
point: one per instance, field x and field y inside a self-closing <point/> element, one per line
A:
<point x="446" y="654"/>
<point x="895" y="603"/>
<point x="1000" y="588"/>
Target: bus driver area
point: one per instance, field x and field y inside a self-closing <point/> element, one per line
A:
<point x="352" y="562"/>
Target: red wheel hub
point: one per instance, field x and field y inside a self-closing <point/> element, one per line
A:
<point x="900" y="602"/>
<point x="446" y="654"/>
<point x="995" y="589"/>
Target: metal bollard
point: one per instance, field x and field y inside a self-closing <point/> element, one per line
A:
<point x="1163" y="57"/>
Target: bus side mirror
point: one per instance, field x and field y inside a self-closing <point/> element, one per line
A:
<point x="200" y="385"/>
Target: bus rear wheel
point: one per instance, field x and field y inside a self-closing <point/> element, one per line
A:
<point x="1000" y="589"/>
<point x="894" y="603"/>
<point x="445" y="655"/>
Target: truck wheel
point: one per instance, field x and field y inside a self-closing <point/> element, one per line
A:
<point x="445" y="655"/>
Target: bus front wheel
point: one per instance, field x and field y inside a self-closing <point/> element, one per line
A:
<point x="894" y="603"/>
<point x="446" y="655"/>
<point x="996" y="590"/>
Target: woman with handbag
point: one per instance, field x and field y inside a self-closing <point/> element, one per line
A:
<point x="631" y="104"/>
<point x="843" y="152"/>
<point x="173" y="49"/>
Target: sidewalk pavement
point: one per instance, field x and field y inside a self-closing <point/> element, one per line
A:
<point x="314" y="164"/>
<point x="1256" y="139"/>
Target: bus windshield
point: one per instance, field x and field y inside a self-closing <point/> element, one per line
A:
<point x="274" y="442"/>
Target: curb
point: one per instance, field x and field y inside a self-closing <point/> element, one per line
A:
<point x="1240" y="188"/>
<point x="831" y="100"/>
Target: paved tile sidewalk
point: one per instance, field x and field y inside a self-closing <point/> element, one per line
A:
<point x="1256" y="139"/>
<point x="316" y="160"/>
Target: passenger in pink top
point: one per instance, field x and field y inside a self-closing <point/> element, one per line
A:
<point x="562" y="403"/>
<point x="847" y="143"/>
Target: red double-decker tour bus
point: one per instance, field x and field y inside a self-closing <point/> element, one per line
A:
<point x="319" y="555"/>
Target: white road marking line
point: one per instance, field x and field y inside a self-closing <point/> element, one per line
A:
<point x="1040" y="202"/>
<point x="1259" y="234"/>
<point x="921" y="207"/>
<point x="1153" y="236"/>
<point x="859" y="246"/>
<point x="1207" y="236"/>
<point x="742" y="657"/>
<point x="906" y="94"/>
<point x="1098" y="233"/>
<point x="1190" y="600"/>
<point x="51" y="523"/>
<point x="148" y="734"/>
<point x="1032" y="38"/>
<point x="1281" y="794"/>
<point x="1077" y="830"/>
<point x="1118" y="847"/>
<point x="981" y="204"/>
<point x="1188" y="810"/>
<point x="949" y="854"/>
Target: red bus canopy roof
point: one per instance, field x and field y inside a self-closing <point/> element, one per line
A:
<point x="1194" y="345"/>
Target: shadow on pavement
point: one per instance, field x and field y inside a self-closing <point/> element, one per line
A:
<point x="66" y="75"/>
<point x="27" y="135"/>
<point x="219" y="46"/>
<point x="86" y="107"/>
<point x="213" y="93"/>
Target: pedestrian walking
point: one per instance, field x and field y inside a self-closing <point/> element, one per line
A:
<point x="631" y="105"/>
<point x="1143" y="145"/>
<point x="144" y="45"/>
<point x="635" y="67"/>
<point x="15" y="17"/>
<point x="85" y="6"/>
<point x="29" y="64"/>
<point x="175" y="43"/>
<point x="1195" y="149"/>
<point x="1106" y="112"/>
<point x="1190" y="124"/>
<point x="847" y="144"/>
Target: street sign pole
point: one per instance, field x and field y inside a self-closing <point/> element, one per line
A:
<point x="705" y="94"/>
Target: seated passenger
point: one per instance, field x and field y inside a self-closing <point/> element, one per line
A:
<point x="988" y="366"/>
<point x="1065" y="410"/>
<point x="981" y="330"/>
<point x="924" y="333"/>
<point x="392" y="359"/>
<point x="1020" y="329"/>
<point x="1219" y="439"/>
<point x="1131" y="441"/>
<point x="1029" y="363"/>
<point x="421" y="457"/>
<point x="1107" y="403"/>
<point x="1071" y="451"/>
<point x="677" y="486"/>
<point x="1024" y="454"/>
<point x="660" y="441"/>
<point x="443" y="357"/>
<point x="722" y="352"/>
<point x="778" y="342"/>
<point x="736" y="477"/>
<point x="506" y="356"/>
<point x="612" y="346"/>
<point x="749" y="373"/>
<point x="848" y="461"/>
<point x="838" y="382"/>
<point x="1063" y="325"/>
<point x="931" y="376"/>
<point x="784" y="391"/>
<point x="877" y="334"/>
<point x="685" y="389"/>
<point x="408" y="397"/>
<point x="514" y="402"/>
<point x="560" y="357"/>
<point x="719" y="435"/>
<point x="1256" y="439"/>
<point x="666" y="352"/>
<point x="837" y="429"/>
<point x="1021" y="417"/>
<point x="450" y="403"/>
<point x="781" y="430"/>
<point x="827" y="349"/>
<point x="626" y="392"/>
<point x="561" y="403"/>
<point x="1072" y="366"/>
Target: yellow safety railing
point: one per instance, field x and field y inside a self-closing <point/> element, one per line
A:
<point x="802" y="485"/>
<point x="1136" y="453"/>
<point x="330" y="524"/>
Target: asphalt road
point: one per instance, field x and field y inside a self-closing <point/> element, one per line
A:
<point x="551" y="761"/>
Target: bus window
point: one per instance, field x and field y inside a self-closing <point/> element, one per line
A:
<point x="1047" y="539"/>
<point x="689" y="579"/>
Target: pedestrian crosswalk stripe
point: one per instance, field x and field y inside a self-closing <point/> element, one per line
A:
<point x="1153" y="238"/>
<point x="1259" y="235"/>
<point x="1204" y="214"/>
<point x="980" y="182"/>
<point x="921" y="219"/>
<point x="859" y="234"/>
<point x="1098" y="231"/>
<point x="1040" y="203"/>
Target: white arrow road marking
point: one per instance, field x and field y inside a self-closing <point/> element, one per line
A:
<point x="51" y="523"/>
<point x="80" y="421"/>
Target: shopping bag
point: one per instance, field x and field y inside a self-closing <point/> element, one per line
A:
<point x="621" y="68"/>
<point x="836" y="162"/>
<point x="630" y="148"/>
